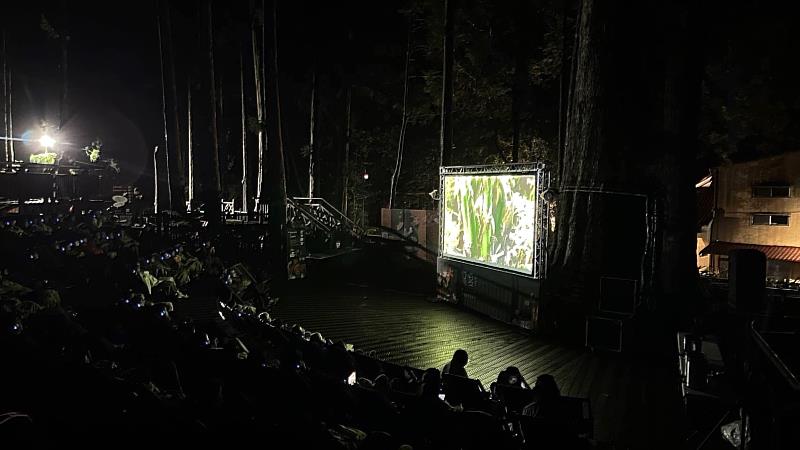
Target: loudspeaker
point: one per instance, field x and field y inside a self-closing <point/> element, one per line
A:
<point x="607" y="333"/>
<point x="747" y="275"/>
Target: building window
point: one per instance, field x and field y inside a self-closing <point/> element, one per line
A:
<point x="771" y="219"/>
<point x="771" y="191"/>
<point x="722" y="266"/>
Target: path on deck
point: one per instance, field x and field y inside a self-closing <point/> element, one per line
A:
<point x="635" y="404"/>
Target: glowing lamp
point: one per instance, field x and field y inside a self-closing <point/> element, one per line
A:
<point x="47" y="141"/>
<point x="366" y="176"/>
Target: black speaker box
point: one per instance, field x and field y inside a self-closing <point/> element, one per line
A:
<point x="607" y="333"/>
<point x="747" y="275"/>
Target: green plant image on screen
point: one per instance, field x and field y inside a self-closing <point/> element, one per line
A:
<point x="491" y="219"/>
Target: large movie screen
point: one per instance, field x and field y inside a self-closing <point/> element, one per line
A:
<point x="491" y="219"/>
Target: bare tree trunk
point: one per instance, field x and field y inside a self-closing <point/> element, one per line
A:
<point x="10" y="110"/>
<point x="276" y="171"/>
<point x="584" y="136"/>
<point x="244" y="136"/>
<point x="312" y="128"/>
<point x="164" y="109"/>
<point x="347" y="136"/>
<point x="519" y="89"/>
<point x="517" y="94"/>
<point x="175" y="150"/>
<point x="63" y="109"/>
<point x="215" y="175"/>
<point x="222" y="130"/>
<point x="346" y="172"/>
<point x="446" y="132"/>
<point x="259" y="108"/>
<point x="682" y="94"/>
<point x="628" y="134"/>
<point x="6" y="134"/>
<point x="563" y="84"/>
<point x="403" y="124"/>
<point x="189" y="143"/>
<point x="155" y="180"/>
<point x="8" y="107"/>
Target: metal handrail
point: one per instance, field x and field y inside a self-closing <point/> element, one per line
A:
<point x="330" y="209"/>
<point x="406" y="240"/>
<point x="773" y="358"/>
<point x="304" y="210"/>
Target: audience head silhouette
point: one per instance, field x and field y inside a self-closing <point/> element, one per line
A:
<point x="457" y="364"/>
<point x="546" y="387"/>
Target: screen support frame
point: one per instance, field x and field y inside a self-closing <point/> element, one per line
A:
<point x="539" y="169"/>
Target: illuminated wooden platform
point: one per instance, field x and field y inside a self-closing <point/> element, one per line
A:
<point x="636" y="404"/>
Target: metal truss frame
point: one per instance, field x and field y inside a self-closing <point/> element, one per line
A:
<point x="541" y="219"/>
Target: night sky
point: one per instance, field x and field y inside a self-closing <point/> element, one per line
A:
<point x="114" y="73"/>
<point x="749" y="94"/>
<point x="114" y="90"/>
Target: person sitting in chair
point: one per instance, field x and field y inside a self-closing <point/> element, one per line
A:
<point x="457" y="365"/>
<point x="510" y="377"/>
<point x="547" y="397"/>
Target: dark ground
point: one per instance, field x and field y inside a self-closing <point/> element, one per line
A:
<point x="635" y="400"/>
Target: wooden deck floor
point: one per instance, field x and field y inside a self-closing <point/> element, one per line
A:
<point x="636" y="403"/>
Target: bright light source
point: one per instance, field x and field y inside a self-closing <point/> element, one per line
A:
<point x="47" y="141"/>
<point x="366" y="176"/>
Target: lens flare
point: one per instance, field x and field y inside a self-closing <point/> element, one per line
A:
<point x="47" y="141"/>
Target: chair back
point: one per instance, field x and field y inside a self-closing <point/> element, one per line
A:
<point x="514" y="398"/>
<point x="465" y="391"/>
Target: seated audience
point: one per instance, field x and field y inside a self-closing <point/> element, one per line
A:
<point x="546" y="399"/>
<point x="133" y="361"/>
<point x="457" y="364"/>
<point x="381" y="383"/>
<point x="510" y="377"/>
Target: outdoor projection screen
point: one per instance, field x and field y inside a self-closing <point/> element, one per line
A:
<point x="491" y="219"/>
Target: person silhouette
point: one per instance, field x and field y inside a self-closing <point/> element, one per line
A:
<point x="457" y="364"/>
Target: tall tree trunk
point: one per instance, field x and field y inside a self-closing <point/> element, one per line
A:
<point x="347" y="136"/>
<point x="8" y="107"/>
<point x="446" y="131"/>
<point x="569" y="80"/>
<point x="525" y="41"/>
<point x="164" y="111"/>
<point x="244" y="136"/>
<point x="312" y="128"/>
<point x="275" y="170"/>
<point x="155" y="180"/>
<point x="583" y="138"/>
<point x="205" y="143"/>
<point x="563" y="83"/>
<point x="175" y="149"/>
<point x="677" y="282"/>
<point x="346" y="169"/>
<point x="6" y="135"/>
<point x="629" y="133"/>
<point x="517" y="100"/>
<point x="403" y="124"/>
<point x="63" y="108"/>
<point x="10" y="111"/>
<point x="216" y="187"/>
<point x="222" y="131"/>
<point x="190" y="155"/>
<point x="257" y="76"/>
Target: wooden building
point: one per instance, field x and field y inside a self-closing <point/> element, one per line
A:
<point x="756" y="204"/>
